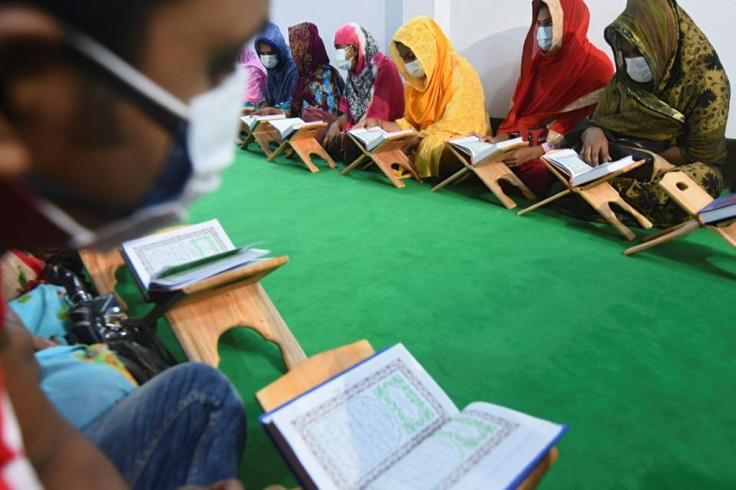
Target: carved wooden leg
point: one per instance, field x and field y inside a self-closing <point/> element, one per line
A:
<point x="385" y="161"/>
<point x="541" y="204"/>
<point x="493" y="173"/>
<point x="671" y="234"/>
<point x="304" y="156"/>
<point x="199" y="322"/>
<point x="307" y="147"/>
<point x="461" y="173"/>
<point x="601" y="197"/>
<point x="357" y="163"/>
<point x="728" y="234"/>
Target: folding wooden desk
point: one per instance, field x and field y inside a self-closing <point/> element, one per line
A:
<point x="600" y="195"/>
<point x="491" y="174"/>
<point x="691" y="198"/>
<point x="385" y="156"/>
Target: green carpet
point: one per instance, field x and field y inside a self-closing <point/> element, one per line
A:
<point x="542" y="314"/>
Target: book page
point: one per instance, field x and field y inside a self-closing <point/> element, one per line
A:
<point x="252" y="121"/>
<point x="240" y="258"/>
<point x="286" y="126"/>
<point x="353" y="428"/>
<point x="485" y="446"/>
<point x="503" y="145"/>
<point x="472" y="146"/>
<point x="151" y="254"/>
<point x="602" y="171"/>
<point x="371" y="138"/>
<point x="569" y="162"/>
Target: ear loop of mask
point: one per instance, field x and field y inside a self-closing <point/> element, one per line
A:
<point x="144" y="92"/>
<point x="156" y="101"/>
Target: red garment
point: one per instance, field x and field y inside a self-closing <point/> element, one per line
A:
<point x="374" y="90"/>
<point x="387" y="103"/>
<point x="556" y="89"/>
<point x="559" y="88"/>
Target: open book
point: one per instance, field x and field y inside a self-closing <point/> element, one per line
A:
<point x="579" y="172"/>
<point x="721" y="209"/>
<point x="482" y="153"/>
<point x="373" y="138"/>
<point x="252" y="122"/>
<point x="170" y="261"/>
<point x="288" y="127"/>
<point x="386" y="424"/>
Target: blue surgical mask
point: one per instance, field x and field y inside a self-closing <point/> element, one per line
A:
<point x="269" y="61"/>
<point x="341" y="55"/>
<point x="544" y="38"/>
<point x="638" y="69"/>
<point x="204" y="130"/>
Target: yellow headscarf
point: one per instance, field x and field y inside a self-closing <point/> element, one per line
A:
<point x="426" y="99"/>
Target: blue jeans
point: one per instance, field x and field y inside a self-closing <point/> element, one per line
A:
<point x="184" y="427"/>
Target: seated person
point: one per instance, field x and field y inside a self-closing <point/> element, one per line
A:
<point x="562" y="77"/>
<point x="256" y="79"/>
<point x="670" y="96"/>
<point x="374" y="89"/>
<point x="275" y="56"/>
<point x="444" y="97"/>
<point x="319" y="87"/>
<point x="125" y="104"/>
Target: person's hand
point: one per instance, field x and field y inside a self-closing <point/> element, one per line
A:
<point x="220" y="485"/>
<point x="39" y="343"/>
<point x="412" y="145"/>
<point x="369" y="124"/>
<point x="661" y="167"/>
<point x="595" y="147"/>
<point x="268" y="111"/>
<point x="332" y="133"/>
<point x="523" y="155"/>
<point x="483" y="137"/>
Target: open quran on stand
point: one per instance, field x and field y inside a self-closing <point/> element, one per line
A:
<point x="481" y="153"/>
<point x="289" y="127"/>
<point x="387" y="424"/>
<point x="373" y="138"/>
<point x="579" y="173"/>
<point x="252" y="122"/>
<point x="170" y="261"/>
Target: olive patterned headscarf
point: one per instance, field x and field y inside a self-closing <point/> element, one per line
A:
<point x="687" y="103"/>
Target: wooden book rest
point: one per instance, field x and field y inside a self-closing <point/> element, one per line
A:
<point x="304" y="143"/>
<point x="264" y="134"/>
<point x="600" y="195"/>
<point x="322" y="367"/>
<point x="491" y="174"/>
<point x="691" y="198"/>
<point x="385" y="156"/>
<point x="201" y="313"/>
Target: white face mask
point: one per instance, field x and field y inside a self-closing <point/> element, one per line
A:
<point x="269" y="60"/>
<point x="415" y="69"/>
<point x="342" y="61"/>
<point x="201" y="150"/>
<point x="544" y="38"/>
<point x="638" y="69"/>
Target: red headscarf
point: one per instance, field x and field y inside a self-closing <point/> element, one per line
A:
<point x="307" y="48"/>
<point x="569" y="77"/>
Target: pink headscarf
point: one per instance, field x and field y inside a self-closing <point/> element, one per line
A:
<point x="255" y="85"/>
<point x="353" y="34"/>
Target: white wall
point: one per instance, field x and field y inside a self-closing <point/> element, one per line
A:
<point x="490" y="33"/>
<point x="330" y="15"/>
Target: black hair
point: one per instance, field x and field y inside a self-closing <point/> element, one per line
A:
<point x="118" y="24"/>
